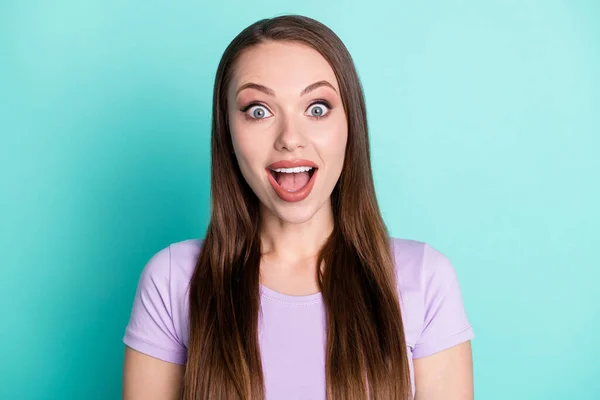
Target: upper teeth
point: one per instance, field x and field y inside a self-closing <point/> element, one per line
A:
<point x="293" y="170"/>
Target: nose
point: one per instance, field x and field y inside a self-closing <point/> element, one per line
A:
<point x="290" y="135"/>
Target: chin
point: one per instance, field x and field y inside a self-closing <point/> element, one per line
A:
<point x="296" y="214"/>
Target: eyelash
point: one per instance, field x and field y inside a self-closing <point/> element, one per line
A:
<point x="254" y="103"/>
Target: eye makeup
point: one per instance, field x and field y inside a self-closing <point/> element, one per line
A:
<point x="323" y="102"/>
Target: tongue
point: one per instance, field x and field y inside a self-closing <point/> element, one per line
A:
<point x="293" y="182"/>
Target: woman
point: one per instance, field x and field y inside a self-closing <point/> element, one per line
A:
<point x="246" y="313"/>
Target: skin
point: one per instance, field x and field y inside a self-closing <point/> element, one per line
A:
<point x="292" y="233"/>
<point x="148" y="378"/>
<point x="292" y="80"/>
<point x="446" y="375"/>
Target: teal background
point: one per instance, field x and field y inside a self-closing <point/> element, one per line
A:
<point x="484" y="119"/>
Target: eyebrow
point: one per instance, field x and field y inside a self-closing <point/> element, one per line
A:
<point x="271" y="92"/>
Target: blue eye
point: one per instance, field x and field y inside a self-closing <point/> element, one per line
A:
<point x="257" y="111"/>
<point x="319" y="109"/>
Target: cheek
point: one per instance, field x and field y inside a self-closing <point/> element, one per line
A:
<point x="339" y="151"/>
<point x="248" y="150"/>
<point x="331" y="141"/>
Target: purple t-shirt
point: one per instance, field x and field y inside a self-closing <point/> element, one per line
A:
<point x="292" y="329"/>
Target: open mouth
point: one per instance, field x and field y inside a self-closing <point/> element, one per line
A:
<point x="293" y="179"/>
<point x="292" y="184"/>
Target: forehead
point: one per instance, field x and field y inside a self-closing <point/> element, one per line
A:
<point x="285" y="67"/>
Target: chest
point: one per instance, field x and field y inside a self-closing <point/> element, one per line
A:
<point x="292" y="339"/>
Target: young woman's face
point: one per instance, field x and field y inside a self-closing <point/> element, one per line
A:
<point x="285" y="111"/>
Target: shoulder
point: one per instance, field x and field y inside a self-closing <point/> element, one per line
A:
<point x="184" y="255"/>
<point x="167" y="277"/>
<point x="158" y="323"/>
<point x="418" y="262"/>
<point x="173" y="264"/>
<point x="427" y="287"/>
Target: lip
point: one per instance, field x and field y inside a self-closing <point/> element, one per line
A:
<point x="299" y="195"/>
<point x="292" y="164"/>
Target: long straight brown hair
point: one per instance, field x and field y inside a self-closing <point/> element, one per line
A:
<point x="366" y="353"/>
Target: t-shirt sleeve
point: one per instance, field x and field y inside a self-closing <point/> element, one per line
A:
<point x="445" y="322"/>
<point x="151" y="328"/>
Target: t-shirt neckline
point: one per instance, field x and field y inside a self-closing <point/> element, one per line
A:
<point x="314" y="298"/>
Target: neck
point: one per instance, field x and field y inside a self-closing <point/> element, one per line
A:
<point x="288" y="243"/>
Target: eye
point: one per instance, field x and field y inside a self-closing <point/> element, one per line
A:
<point x="319" y="109"/>
<point x="256" y="111"/>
